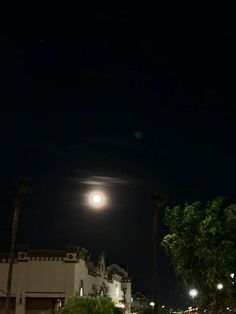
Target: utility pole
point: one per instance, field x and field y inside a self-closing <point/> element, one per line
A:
<point x="159" y="200"/>
<point x="23" y="190"/>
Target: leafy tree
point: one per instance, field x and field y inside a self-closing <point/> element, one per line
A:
<point x="202" y="246"/>
<point x="78" y="305"/>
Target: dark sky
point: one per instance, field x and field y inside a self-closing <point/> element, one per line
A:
<point x="77" y="81"/>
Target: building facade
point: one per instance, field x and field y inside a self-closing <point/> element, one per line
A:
<point x="44" y="279"/>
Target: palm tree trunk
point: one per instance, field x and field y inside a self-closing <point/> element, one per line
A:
<point x="12" y="253"/>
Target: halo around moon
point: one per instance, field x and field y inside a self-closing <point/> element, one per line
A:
<point x="97" y="199"/>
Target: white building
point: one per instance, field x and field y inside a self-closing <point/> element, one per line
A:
<point x="44" y="279"/>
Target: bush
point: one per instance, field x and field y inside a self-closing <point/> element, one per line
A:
<point x="77" y="305"/>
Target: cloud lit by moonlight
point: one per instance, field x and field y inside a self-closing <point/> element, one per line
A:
<point x="102" y="181"/>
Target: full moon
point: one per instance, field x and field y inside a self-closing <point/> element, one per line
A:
<point x="97" y="199"/>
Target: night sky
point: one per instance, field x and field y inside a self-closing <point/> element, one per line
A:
<point x="133" y="99"/>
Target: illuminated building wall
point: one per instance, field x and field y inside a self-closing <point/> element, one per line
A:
<point x="44" y="279"/>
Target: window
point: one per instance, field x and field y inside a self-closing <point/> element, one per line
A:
<point x="81" y="290"/>
<point x="117" y="291"/>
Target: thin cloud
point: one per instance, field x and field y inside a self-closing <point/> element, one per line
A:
<point x="102" y="181"/>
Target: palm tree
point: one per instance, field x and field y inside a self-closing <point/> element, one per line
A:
<point x="23" y="190"/>
<point x="159" y="201"/>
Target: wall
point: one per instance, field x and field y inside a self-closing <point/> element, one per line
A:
<point x="41" y="279"/>
<point x="3" y="277"/>
<point x="55" y="278"/>
<point x="45" y="276"/>
<point x="81" y="273"/>
<point x="128" y="294"/>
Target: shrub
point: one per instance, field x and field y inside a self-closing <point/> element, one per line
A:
<point x="77" y="305"/>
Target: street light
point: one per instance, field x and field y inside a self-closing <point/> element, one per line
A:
<point x="193" y="293"/>
<point x="152" y="304"/>
<point x="232" y="276"/>
<point x="219" y="286"/>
